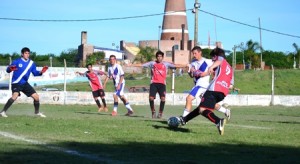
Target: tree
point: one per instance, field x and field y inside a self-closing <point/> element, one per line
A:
<point x="69" y="55"/>
<point x="95" y="58"/>
<point x="146" y="54"/>
<point x="250" y="53"/>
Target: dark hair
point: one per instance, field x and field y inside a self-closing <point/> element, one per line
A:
<point x="217" y="52"/>
<point x="198" y="48"/>
<point x="112" y="56"/>
<point x="25" y="49"/>
<point x="159" y="53"/>
<point x="89" y="64"/>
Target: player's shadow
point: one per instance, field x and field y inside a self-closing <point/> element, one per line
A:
<point x="178" y="129"/>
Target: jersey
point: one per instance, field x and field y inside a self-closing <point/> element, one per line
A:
<point x="94" y="79"/>
<point x="24" y="68"/>
<point x="159" y="71"/>
<point x="116" y="72"/>
<point x="202" y="65"/>
<point x="223" y="77"/>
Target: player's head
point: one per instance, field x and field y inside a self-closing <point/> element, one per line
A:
<point x="217" y="52"/>
<point x="159" y="56"/>
<point x="197" y="52"/>
<point x="112" y="59"/>
<point x="89" y="66"/>
<point x="25" y="52"/>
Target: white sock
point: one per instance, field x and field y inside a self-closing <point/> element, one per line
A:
<point x="185" y="112"/>
<point x="128" y="107"/>
<point x="222" y="109"/>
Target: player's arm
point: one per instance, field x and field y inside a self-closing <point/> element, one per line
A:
<point x="214" y="65"/>
<point x="79" y="73"/>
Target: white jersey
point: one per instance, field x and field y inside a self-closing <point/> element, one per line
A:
<point x="203" y="66"/>
<point x="116" y="72"/>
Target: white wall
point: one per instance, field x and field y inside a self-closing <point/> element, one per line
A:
<point x="85" y="98"/>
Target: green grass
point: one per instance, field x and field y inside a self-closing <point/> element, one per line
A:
<point x="249" y="82"/>
<point x="253" y="135"/>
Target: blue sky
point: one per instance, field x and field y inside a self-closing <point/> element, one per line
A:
<point x="54" y="37"/>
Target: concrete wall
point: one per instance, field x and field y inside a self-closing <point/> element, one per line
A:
<point x="85" y="98"/>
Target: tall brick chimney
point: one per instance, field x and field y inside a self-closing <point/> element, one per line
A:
<point x="175" y="16"/>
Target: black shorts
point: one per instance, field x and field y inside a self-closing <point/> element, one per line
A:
<point x="26" y="88"/>
<point x="210" y="98"/>
<point x="157" y="87"/>
<point x="99" y="93"/>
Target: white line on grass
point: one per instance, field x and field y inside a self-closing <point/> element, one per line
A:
<point x="241" y="126"/>
<point x="56" y="148"/>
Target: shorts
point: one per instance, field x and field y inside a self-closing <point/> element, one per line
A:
<point x="210" y="99"/>
<point x="26" y="88"/>
<point x="99" y="93"/>
<point x="197" y="91"/>
<point x="120" y="92"/>
<point x="157" y="87"/>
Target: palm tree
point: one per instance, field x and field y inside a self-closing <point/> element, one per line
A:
<point x="297" y="52"/>
<point x="250" y="53"/>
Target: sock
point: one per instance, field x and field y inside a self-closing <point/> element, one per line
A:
<point x="192" y="115"/>
<point x="222" y="109"/>
<point x="98" y="103"/>
<point x="36" y="105"/>
<point x="104" y="102"/>
<point x="211" y="116"/>
<point x="128" y="107"/>
<point x="8" y="104"/>
<point x="185" y="112"/>
<point x="161" y="106"/>
<point x="116" y="106"/>
<point x="151" y="102"/>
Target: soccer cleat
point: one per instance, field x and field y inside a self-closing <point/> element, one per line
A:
<point x="221" y="126"/>
<point x="105" y="109"/>
<point x="153" y="114"/>
<point x="129" y="113"/>
<point x="228" y="113"/>
<point x="159" y="115"/>
<point x="40" y="115"/>
<point x="180" y="119"/>
<point x="3" y="114"/>
<point x="114" y="113"/>
<point x="100" y="109"/>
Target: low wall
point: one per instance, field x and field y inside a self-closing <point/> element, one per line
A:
<point x="85" y="98"/>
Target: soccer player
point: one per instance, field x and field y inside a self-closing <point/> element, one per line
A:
<point x="96" y="86"/>
<point x="198" y="70"/>
<point x="216" y="92"/>
<point x="159" y="70"/>
<point x="116" y="73"/>
<point x="22" y="68"/>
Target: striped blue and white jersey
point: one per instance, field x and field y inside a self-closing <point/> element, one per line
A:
<point x="116" y="72"/>
<point x="24" y="68"/>
<point x="203" y="66"/>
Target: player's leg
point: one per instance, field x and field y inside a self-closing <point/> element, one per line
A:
<point x="125" y="101"/>
<point x="152" y="95"/>
<point x="224" y="109"/>
<point x="162" y="94"/>
<point x="11" y="100"/>
<point x="102" y="95"/>
<point x="195" y="92"/>
<point x="96" y="96"/>
<point x="29" y="91"/>
<point x="116" y="103"/>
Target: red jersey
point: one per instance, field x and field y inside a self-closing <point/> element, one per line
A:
<point x="159" y="71"/>
<point x="222" y="79"/>
<point x="94" y="79"/>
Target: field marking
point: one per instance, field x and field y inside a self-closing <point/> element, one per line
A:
<point x="242" y="126"/>
<point x="56" y="148"/>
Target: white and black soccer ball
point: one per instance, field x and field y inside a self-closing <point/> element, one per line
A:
<point x="173" y="122"/>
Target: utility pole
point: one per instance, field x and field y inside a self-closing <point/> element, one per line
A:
<point x="195" y="11"/>
<point x="260" y="44"/>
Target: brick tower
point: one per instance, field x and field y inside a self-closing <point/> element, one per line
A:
<point x="174" y="18"/>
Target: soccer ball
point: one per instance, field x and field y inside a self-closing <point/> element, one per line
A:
<point x="173" y="122"/>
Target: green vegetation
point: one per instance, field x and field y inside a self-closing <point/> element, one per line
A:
<point x="253" y="135"/>
<point x="249" y="82"/>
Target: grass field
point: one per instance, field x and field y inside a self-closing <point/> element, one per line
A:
<point x="79" y="134"/>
